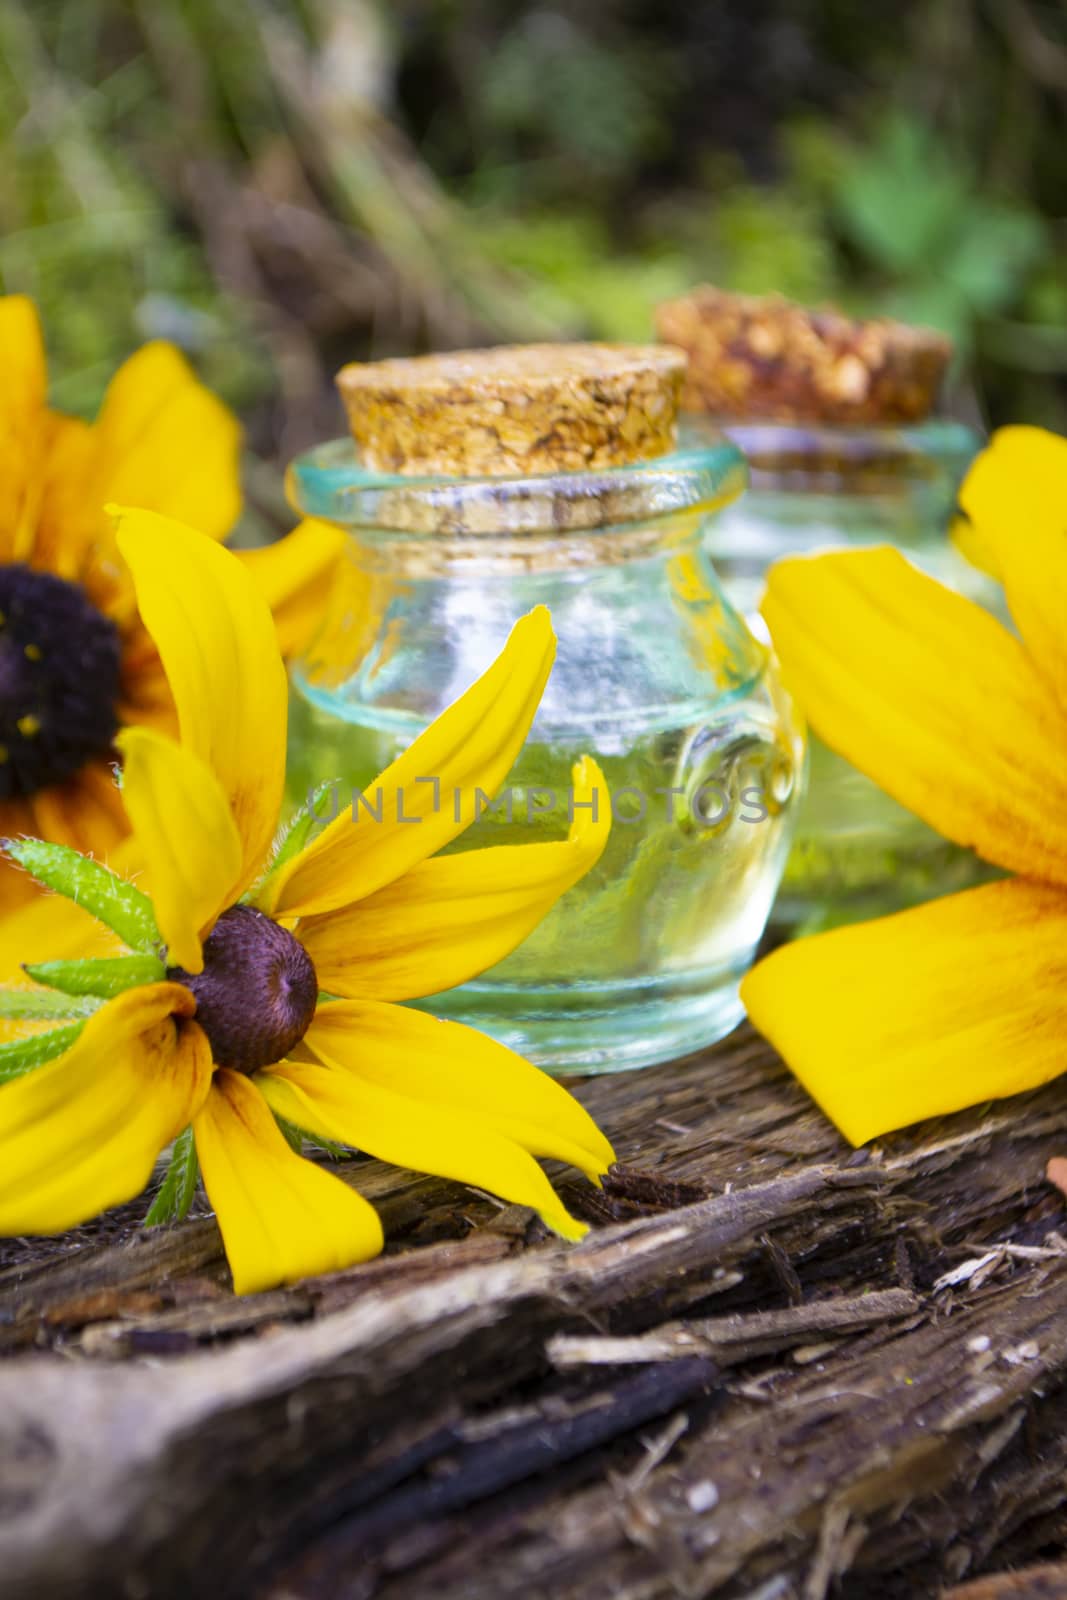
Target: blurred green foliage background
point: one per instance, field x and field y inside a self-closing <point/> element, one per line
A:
<point x="280" y="185"/>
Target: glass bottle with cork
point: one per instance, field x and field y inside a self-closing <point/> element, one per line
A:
<point x="836" y="417"/>
<point x="478" y="485"/>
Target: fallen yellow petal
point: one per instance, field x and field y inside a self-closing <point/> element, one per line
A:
<point x="1015" y="497"/>
<point x="929" y="696"/>
<point x="944" y="1006"/>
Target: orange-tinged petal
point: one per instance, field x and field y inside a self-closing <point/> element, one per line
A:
<point x="23" y="382"/>
<point x="449" y="919"/>
<point x="428" y="795"/>
<point x="335" y="1104"/>
<point x="17" y="888"/>
<point x="281" y="1217"/>
<point x="216" y="639"/>
<point x="186" y="837"/>
<point x="931" y="697"/>
<point x="295" y="575"/>
<point x="448" y="1065"/>
<point x="164" y="442"/>
<point x="85" y="812"/>
<point x="146" y="698"/>
<point x="953" y="1003"/>
<point x="83" y="1132"/>
<point x="1015" y="496"/>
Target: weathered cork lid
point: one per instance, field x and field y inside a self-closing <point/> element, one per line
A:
<point x="766" y="358"/>
<point x="514" y="410"/>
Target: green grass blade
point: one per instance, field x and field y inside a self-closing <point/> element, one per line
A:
<point x="176" y="1193"/>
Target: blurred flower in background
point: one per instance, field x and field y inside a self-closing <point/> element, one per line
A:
<point x="76" y="664"/>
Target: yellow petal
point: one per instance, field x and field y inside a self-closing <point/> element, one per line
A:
<point x="23" y="381"/>
<point x="83" y="1132"/>
<point x="931" y="697"/>
<point x="974" y="546"/>
<point x="186" y="838"/>
<point x="38" y="926"/>
<point x="34" y="924"/>
<point x="281" y="1217"/>
<point x="445" y="1064"/>
<point x="295" y="575"/>
<point x="469" y="749"/>
<point x="956" y="1002"/>
<point x="1015" y="496"/>
<point x="337" y="1104"/>
<point x="164" y="442"/>
<point x="67" y="527"/>
<point x="48" y="928"/>
<point x="449" y="919"/>
<point x="216" y="639"/>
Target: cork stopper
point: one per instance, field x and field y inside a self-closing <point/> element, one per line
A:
<point x="769" y="359"/>
<point x="515" y="410"/>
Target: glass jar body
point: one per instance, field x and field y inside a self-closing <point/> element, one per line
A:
<point x="856" y="852"/>
<point x="659" y="679"/>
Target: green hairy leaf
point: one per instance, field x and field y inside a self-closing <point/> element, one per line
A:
<point x="104" y="977"/>
<point x="41" y="1003"/>
<point x="94" y="887"/>
<point x="176" y="1192"/>
<point x="22" y="1055"/>
<point x="292" y="1136"/>
<point x="329" y="1147"/>
<point x="295" y="834"/>
<point x="296" y="1138"/>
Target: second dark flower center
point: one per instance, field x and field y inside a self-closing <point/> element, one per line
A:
<point x="60" y="663"/>
<point x="257" y="993"/>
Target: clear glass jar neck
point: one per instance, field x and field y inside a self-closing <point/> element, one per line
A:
<point x="574" y="519"/>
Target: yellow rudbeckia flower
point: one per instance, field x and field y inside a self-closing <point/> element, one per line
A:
<point x="217" y="1016"/>
<point x="964" y="722"/>
<point x="76" y="665"/>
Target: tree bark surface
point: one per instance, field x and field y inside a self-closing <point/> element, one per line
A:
<point x="776" y="1369"/>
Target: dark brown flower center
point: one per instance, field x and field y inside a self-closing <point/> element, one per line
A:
<point x="60" y="661"/>
<point x="256" y="995"/>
